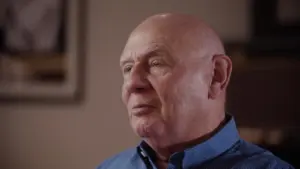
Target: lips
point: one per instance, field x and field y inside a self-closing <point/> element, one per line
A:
<point x="142" y="109"/>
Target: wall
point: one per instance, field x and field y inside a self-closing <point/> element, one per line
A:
<point x="83" y="135"/>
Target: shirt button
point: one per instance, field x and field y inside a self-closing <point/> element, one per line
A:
<point x="143" y="154"/>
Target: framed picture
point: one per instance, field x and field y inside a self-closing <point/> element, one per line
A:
<point x="40" y="55"/>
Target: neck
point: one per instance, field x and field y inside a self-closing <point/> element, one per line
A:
<point x="164" y="149"/>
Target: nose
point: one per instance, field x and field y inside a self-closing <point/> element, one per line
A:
<point x="137" y="81"/>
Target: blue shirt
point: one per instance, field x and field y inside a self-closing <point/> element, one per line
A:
<point x="225" y="150"/>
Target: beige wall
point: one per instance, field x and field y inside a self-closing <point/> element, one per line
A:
<point x="81" y="136"/>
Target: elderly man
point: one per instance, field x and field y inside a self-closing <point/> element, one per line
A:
<point x="175" y="74"/>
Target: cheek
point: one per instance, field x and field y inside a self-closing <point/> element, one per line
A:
<point x="170" y="96"/>
<point x="124" y="94"/>
<point x="174" y="86"/>
<point x="185" y="93"/>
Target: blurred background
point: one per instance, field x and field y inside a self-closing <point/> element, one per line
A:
<point x="80" y="131"/>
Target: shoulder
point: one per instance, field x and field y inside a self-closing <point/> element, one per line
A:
<point x="120" y="160"/>
<point x="256" y="157"/>
<point x="263" y="161"/>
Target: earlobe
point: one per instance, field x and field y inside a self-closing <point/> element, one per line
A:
<point x="222" y="67"/>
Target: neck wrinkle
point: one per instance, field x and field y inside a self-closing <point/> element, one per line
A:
<point x="163" y="153"/>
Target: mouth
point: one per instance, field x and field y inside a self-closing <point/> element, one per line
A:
<point x="142" y="109"/>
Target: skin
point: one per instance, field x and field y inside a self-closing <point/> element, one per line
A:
<point x="175" y="76"/>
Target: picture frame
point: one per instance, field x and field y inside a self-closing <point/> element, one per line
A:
<point x="38" y="61"/>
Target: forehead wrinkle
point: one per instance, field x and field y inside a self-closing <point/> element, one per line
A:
<point x="153" y="48"/>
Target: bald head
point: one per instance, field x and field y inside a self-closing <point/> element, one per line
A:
<point x="175" y="74"/>
<point x="182" y="29"/>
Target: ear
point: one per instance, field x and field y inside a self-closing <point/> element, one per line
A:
<point x="221" y="72"/>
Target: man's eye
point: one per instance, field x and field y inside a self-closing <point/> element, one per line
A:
<point x="127" y="68"/>
<point x="155" y="63"/>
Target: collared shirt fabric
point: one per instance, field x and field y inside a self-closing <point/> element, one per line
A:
<point x="224" y="150"/>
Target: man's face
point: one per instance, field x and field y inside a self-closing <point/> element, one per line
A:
<point x="165" y="88"/>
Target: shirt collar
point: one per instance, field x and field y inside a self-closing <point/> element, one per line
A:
<point x="221" y="141"/>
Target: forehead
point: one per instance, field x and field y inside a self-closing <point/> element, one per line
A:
<point x="141" y="43"/>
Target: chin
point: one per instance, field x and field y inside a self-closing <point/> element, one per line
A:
<point x="145" y="128"/>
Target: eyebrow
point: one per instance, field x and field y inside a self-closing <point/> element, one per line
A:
<point x="154" y="52"/>
<point x="125" y="61"/>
